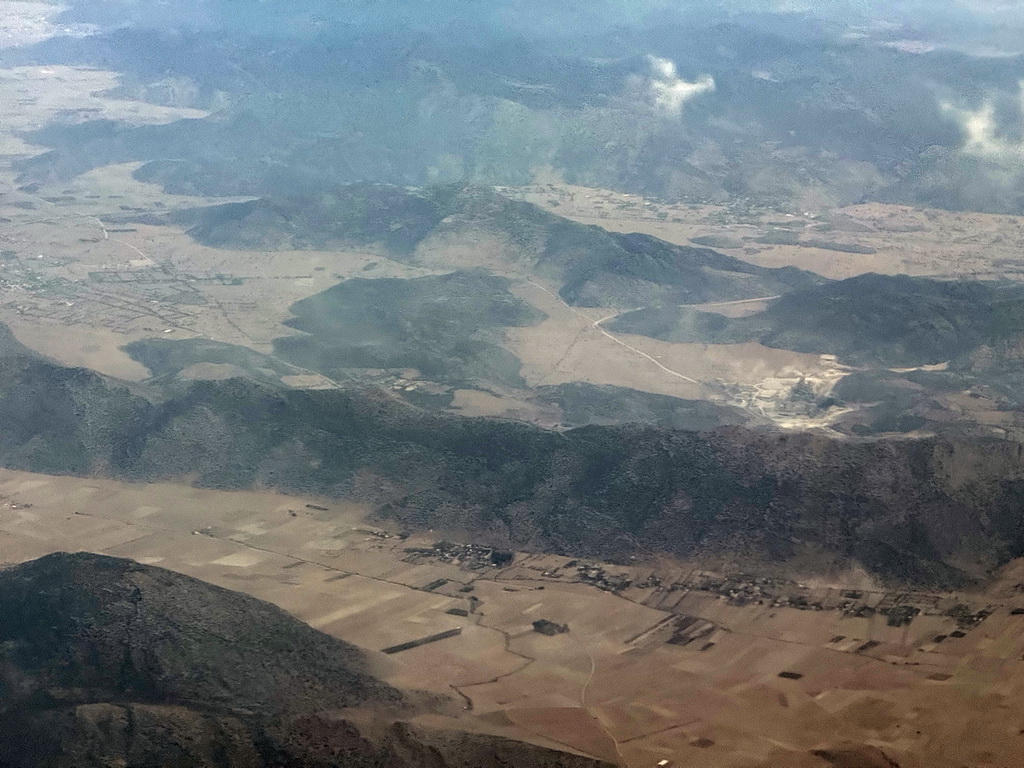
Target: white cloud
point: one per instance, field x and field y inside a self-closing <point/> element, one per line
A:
<point x="983" y="138"/>
<point x="669" y="91"/>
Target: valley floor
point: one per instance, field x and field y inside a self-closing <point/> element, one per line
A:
<point x="79" y="288"/>
<point x="681" y="663"/>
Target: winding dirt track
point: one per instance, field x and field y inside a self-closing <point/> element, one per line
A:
<point x="597" y="324"/>
<point x="583" y="703"/>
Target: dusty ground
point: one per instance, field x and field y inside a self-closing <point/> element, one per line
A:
<point x="572" y="345"/>
<point x="613" y="686"/>
<point x="907" y="240"/>
<point x="81" y="345"/>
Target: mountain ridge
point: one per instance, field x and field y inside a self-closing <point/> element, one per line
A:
<point x="607" y="492"/>
<point x="891" y="320"/>
<point x="104" y="661"/>
<point x="593" y="267"/>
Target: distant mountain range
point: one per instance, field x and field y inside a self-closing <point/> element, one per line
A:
<point x="777" y="108"/>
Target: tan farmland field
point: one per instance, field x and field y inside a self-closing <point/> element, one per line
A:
<point x="614" y="686"/>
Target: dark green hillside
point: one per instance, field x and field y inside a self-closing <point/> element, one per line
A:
<point x="448" y="327"/>
<point x="107" y="662"/>
<point x="601" y="491"/>
<point x="165" y="358"/>
<point x="870" y="319"/>
<point x="91" y="623"/>
<point x="583" y="404"/>
<point x="595" y="267"/>
<point x="635" y="270"/>
<point x="671" y="322"/>
<point x="420" y="98"/>
<point x="357" y="215"/>
<point x="580" y="403"/>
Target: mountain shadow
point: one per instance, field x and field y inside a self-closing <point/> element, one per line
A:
<point x="104" y="661"/>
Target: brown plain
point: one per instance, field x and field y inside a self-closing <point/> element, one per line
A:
<point x="612" y="687"/>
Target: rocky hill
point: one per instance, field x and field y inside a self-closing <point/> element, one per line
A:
<point x="594" y="267"/>
<point x="107" y="662"/>
<point x="935" y="510"/>
<point x="917" y="345"/>
<point x="87" y="628"/>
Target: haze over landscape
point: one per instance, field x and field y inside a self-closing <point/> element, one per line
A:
<point x="623" y="383"/>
